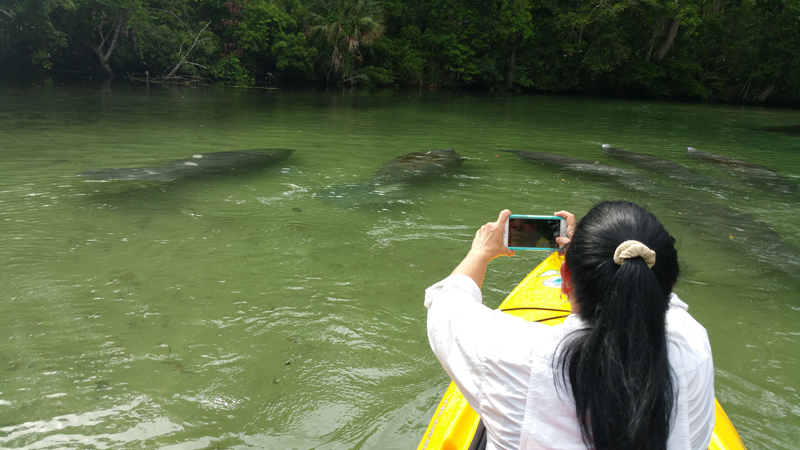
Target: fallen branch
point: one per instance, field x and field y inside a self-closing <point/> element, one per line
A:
<point x="197" y="40"/>
<point x="177" y="79"/>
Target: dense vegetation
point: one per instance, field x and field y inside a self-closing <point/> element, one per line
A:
<point x="723" y="50"/>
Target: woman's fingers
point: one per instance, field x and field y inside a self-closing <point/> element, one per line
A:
<point x="489" y="238"/>
<point x="570" y="218"/>
<point x="502" y="218"/>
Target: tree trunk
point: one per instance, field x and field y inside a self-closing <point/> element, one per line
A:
<point x="512" y="66"/>
<point x="105" y="55"/>
<point x="106" y="86"/>
<point x="765" y="93"/>
<point x="103" y="61"/>
<point x="746" y="87"/>
<point x="656" y="32"/>
<point x="671" y="30"/>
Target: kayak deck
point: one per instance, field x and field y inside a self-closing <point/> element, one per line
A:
<point x="537" y="298"/>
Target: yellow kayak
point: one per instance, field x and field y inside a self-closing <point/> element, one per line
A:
<point x="536" y="299"/>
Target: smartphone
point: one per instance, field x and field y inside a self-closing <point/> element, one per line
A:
<point x="526" y="232"/>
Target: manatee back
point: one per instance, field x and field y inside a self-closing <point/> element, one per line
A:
<point x="195" y="166"/>
<point x="723" y="160"/>
<point x="420" y="164"/>
<point x="231" y="160"/>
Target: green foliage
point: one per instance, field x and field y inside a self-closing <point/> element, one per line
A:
<point x="42" y="59"/>
<point x="167" y="35"/>
<point x="646" y="75"/>
<point x="400" y="58"/>
<point x="257" y="38"/>
<point x="340" y="28"/>
<point x="721" y="50"/>
<point x="230" y="70"/>
<point x="293" y="51"/>
<point x="28" y="35"/>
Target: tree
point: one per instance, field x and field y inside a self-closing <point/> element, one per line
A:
<point x="28" y="34"/>
<point x="98" y="24"/>
<point x="168" y="38"/>
<point x="342" y="27"/>
<point x="517" y="29"/>
<point x="258" y="39"/>
<point x="766" y="48"/>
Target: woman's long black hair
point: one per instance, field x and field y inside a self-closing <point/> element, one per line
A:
<point x="617" y="367"/>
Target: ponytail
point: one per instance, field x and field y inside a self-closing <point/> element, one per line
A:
<point x="617" y="366"/>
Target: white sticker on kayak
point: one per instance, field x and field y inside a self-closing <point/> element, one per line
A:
<point x="549" y="273"/>
<point x="554" y="282"/>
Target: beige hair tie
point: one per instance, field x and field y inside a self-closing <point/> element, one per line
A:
<point x="633" y="249"/>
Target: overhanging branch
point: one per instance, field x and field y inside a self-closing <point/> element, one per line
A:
<point x="197" y="41"/>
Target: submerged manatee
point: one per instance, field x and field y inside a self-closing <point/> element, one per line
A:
<point x="197" y="165"/>
<point x="567" y="162"/>
<point x="395" y="176"/>
<point x="418" y="165"/>
<point x="731" y="163"/>
<point x="677" y="172"/>
<point x="753" y="173"/>
<point x="630" y="179"/>
<point x="717" y="222"/>
<point x="793" y="130"/>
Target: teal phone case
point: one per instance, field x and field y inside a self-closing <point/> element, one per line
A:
<point x="528" y="216"/>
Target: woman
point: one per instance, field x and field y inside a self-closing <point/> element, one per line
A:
<point x="628" y="369"/>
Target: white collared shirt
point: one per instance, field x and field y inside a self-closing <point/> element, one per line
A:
<point x="504" y="367"/>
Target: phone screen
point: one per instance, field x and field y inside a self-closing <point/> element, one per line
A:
<point x="533" y="233"/>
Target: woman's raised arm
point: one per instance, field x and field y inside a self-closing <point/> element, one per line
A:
<point x="486" y="246"/>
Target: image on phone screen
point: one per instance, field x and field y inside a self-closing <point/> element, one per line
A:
<point x="533" y="233"/>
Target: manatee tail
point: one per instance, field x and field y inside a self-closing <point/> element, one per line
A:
<point x="363" y="193"/>
<point x="136" y="173"/>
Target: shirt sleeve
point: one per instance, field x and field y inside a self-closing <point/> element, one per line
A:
<point x="471" y="342"/>
<point x="454" y="309"/>
<point x="701" y="407"/>
<point x="693" y="346"/>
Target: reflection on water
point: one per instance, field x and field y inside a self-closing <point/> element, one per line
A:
<point x="57" y="432"/>
<point x="253" y="310"/>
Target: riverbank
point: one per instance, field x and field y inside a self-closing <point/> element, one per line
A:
<point x="55" y="78"/>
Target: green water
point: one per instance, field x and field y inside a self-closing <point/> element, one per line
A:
<point x="249" y="311"/>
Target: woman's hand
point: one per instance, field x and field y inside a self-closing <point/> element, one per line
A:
<point x="486" y="246"/>
<point x="563" y="241"/>
<point x="488" y="239"/>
